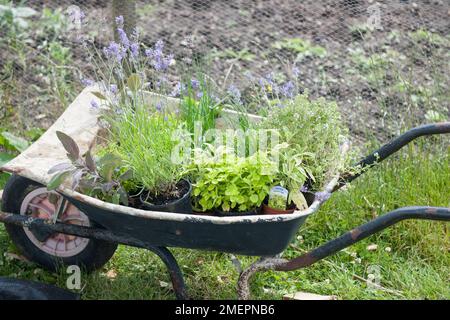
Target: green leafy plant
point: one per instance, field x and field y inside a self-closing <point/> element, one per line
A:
<point x="301" y="47"/>
<point x="145" y="141"/>
<point x="99" y="178"/>
<point x="11" y="145"/>
<point x="54" y="22"/>
<point x="230" y="183"/>
<point x="310" y="133"/>
<point x="230" y="54"/>
<point x="294" y="172"/>
<point x="17" y="16"/>
<point x="12" y="142"/>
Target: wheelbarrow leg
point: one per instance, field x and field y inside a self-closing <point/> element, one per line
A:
<point x="176" y="276"/>
<point x="333" y="246"/>
<point x="264" y="264"/>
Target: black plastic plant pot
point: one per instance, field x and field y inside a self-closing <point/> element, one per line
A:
<point x="181" y="205"/>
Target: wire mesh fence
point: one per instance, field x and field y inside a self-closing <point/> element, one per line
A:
<point x="385" y="62"/>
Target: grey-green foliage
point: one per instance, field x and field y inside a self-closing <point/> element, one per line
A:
<point x="100" y="178"/>
<point x="146" y="141"/>
<point x="314" y="132"/>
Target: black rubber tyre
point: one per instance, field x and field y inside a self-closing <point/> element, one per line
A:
<point x="92" y="257"/>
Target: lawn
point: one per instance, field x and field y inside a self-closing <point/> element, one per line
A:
<point x="411" y="260"/>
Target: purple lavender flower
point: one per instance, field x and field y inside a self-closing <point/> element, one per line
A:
<point x="87" y="82"/>
<point x="269" y="78"/>
<point x="262" y="83"/>
<point x="113" y="88"/>
<point x="235" y="94"/>
<point x="288" y="89"/>
<point x="114" y="51"/>
<point x="195" y="84"/>
<point x="267" y="83"/>
<point x="322" y="196"/>
<point x="159" y="106"/>
<point x="199" y="95"/>
<point x="159" y="46"/>
<point x="119" y="20"/>
<point x="94" y="104"/>
<point x="76" y="15"/>
<point x="178" y="89"/>
<point x="134" y="48"/>
<point x="123" y="38"/>
<point x="162" y="63"/>
<point x="159" y="61"/>
<point x="295" y="72"/>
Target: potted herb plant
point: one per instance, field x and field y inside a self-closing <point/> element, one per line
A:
<point x="310" y="133"/>
<point x="146" y="140"/>
<point x="101" y="178"/>
<point x="230" y="185"/>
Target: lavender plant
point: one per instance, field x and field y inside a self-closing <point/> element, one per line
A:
<point x="145" y="141"/>
<point x="126" y="69"/>
<point x="140" y="129"/>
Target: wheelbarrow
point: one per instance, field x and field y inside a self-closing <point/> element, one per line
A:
<point x="80" y="230"/>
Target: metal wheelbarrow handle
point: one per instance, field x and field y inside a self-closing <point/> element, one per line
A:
<point x="357" y="234"/>
<point x="392" y="147"/>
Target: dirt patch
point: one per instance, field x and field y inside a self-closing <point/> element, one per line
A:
<point x="382" y="79"/>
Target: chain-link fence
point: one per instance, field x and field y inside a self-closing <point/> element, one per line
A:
<point x="384" y="62"/>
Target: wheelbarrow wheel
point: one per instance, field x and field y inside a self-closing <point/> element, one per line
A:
<point x="26" y="197"/>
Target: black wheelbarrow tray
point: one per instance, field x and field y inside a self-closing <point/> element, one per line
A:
<point x="90" y="233"/>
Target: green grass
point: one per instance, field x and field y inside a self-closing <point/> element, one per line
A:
<point x="416" y="267"/>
